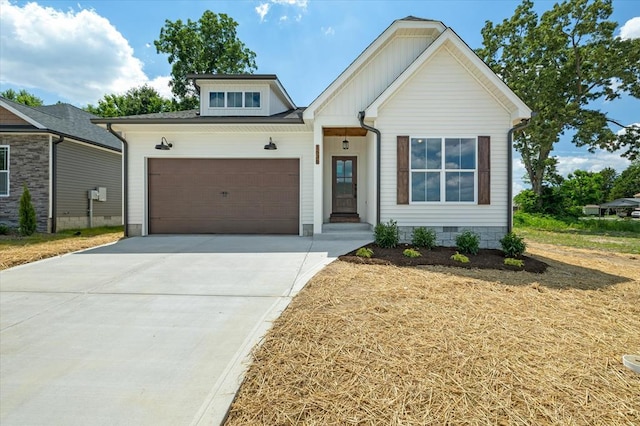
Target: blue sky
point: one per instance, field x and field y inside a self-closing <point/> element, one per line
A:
<point x="78" y="51"/>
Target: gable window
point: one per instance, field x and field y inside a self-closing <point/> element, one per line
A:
<point x="252" y="99"/>
<point x="4" y="171"/>
<point x="443" y="169"/>
<point x="216" y="99"/>
<point x="234" y="99"/>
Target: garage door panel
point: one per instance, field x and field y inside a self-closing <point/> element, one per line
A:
<point x="254" y="196"/>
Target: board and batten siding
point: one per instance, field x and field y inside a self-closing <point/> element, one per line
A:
<point x="82" y="168"/>
<point x="216" y="145"/>
<point x="442" y="99"/>
<point x="375" y="75"/>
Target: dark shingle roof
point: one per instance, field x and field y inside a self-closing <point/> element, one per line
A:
<point x="192" y="116"/>
<point x="67" y="120"/>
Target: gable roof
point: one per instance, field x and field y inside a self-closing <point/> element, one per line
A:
<point x="468" y="59"/>
<point x="62" y="120"/>
<point x="405" y="25"/>
<point x="445" y="37"/>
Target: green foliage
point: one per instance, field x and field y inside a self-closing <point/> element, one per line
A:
<point x="209" y="45"/>
<point x="468" y="242"/>
<point x="561" y="64"/>
<point x="386" y="235"/>
<point x="460" y="258"/>
<point x="628" y="183"/>
<point x="513" y="245"/>
<point x="138" y="100"/>
<point x="514" y="262"/>
<point x="569" y="224"/>
<point x="26" y="213"/>
<point x="4" y="229"/>
<point x="364" y="252"/>
<point x="411" y="252"/>
<point x="22" y="97"/>
<point x="423" y="237"/>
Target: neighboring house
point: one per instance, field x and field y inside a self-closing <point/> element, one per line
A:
<point x="415" y="130"/>
<point x="60" y="156"/>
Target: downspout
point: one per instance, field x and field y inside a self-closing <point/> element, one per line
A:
<point x="54" y="184"/>
<point x="523" y="124"/>
<point x="125" y="178"/>
<point x="378" y="156"/>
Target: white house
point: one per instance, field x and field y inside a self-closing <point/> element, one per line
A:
<point x="417" y="130"/>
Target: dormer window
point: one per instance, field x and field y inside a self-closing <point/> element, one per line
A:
<point x="216" y="99"/>
<point x="252" y="99"/>
<point x="234" y="99"/>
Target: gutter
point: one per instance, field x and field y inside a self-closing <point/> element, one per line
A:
<point x="523" y="124"/>
<point x="125" y="178"/>
<point x="54" y="184"/>
<point x="378" y="156"/>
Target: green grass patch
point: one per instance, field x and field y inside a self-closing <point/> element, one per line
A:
<point x="14" y="239"/>
<point x="619" y="235"/>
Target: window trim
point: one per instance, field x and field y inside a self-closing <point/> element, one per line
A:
<point x="7" y="171"/>
<point x="225" y="98"/>
<point x="443" y="172"/>
<point x="233" y="94"/>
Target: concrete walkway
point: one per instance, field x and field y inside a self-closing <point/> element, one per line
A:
<point x="147" y="331"/>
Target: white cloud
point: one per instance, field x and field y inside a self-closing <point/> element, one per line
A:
<point x="161" y="84"/>
<point x="631" y="29"/>
<point x="262" y="10"/>
<point x="298" y="3"/>
<point x="327" y="31"/>
<point x="284" y="18"/>
<point x="78" y="55"/>
<point x="299" y="17"/>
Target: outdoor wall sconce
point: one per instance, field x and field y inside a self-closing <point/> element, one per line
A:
<point x="164" y="145"/>
<point x="345" y="142"/>
<point x="270" y="145"/>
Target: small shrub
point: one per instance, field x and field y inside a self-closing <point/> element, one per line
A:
<point x="423" y="237"/>
<point x="468" y="242"/>
<point x="513" y="245"/>
<point x="4" y="229"/>
<point x="386" y="234"/>
<point x="514" y="262"/>
<point x="26" y="213"/>
<point x="411" y="253"/>
<point x="460" y="258"/>
<point x="364" y="252"/>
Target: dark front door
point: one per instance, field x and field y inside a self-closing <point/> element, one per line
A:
<point x="345" y="185"/>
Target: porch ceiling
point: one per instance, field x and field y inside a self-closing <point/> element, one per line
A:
<point x="344" y="131"/>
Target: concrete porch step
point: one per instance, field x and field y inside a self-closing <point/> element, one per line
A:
<point x="346" y="231"/>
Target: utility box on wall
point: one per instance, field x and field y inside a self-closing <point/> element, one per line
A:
<point x="98" y="194"/>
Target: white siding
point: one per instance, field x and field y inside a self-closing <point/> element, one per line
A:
<point x="444" y="100"/>
<point x="219" y="145"/>
<point x="376" y="75"/>
<point x="276" y="105"/>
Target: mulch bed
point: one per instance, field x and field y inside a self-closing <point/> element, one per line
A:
<point x="485" y="259"/>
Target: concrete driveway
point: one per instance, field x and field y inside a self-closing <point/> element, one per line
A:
<point x="147" y="331"/>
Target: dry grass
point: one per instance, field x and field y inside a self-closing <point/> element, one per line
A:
<point x="14" y="255"/>
<point x="365" y="344"/>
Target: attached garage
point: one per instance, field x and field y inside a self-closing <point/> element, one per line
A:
<point x="223" y="196"/>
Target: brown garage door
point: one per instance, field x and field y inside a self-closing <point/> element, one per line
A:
<point x="230" y="196"/>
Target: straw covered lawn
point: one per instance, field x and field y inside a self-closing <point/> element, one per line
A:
<point x="370" y="344"/>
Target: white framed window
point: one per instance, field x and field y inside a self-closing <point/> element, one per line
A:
<point x="216" y="99"/>
<point x="234" y="99"/>
<point x="252" y="99"/>
<point x="4" y="170"/>
<point x="443" y="170"/>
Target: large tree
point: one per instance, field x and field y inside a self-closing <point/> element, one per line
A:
<point x="22" y="97"/>
<point x="628" y="183"/>
<point x="560" y="64"/>
<point x="138" y="100"/>
<point x="208" y="45"/>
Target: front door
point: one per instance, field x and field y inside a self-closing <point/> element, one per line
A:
<point x="345" y="185"/>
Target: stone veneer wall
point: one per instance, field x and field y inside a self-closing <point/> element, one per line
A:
<point x="28" y="163"/>
<point x="490" y="236"/>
